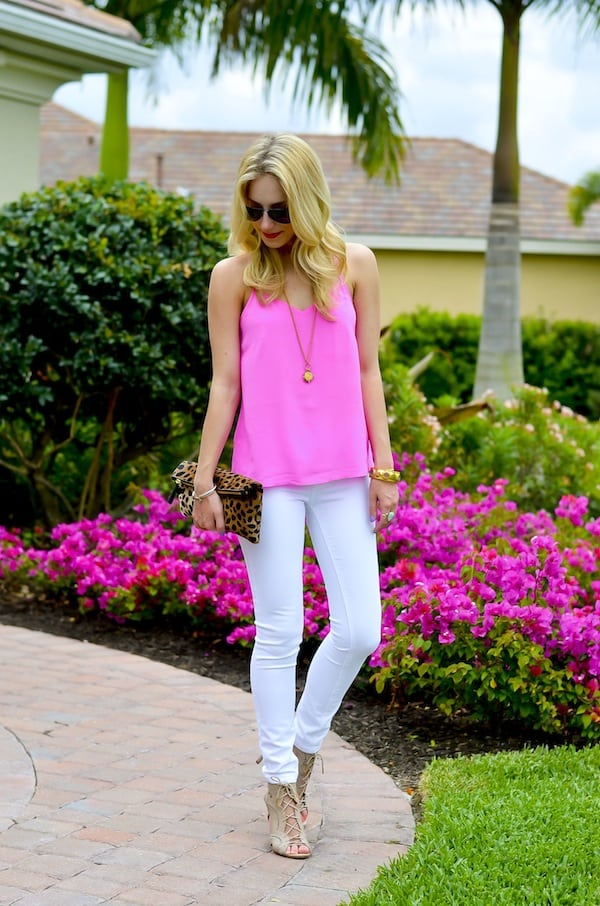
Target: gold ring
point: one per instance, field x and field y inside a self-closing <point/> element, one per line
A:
<point x="389" y="516"/>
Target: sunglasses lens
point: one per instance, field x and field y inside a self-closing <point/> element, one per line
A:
<point x="279" y="215"/>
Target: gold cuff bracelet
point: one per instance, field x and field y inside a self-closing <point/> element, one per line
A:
<point x="390" y="475"/>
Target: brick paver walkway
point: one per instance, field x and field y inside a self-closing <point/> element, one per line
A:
<point x="126" y="781"/>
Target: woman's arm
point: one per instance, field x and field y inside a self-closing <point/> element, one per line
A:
<point x="363" y="278"/>
<point x="225" y="302"/>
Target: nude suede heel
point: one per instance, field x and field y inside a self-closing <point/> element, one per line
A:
<point x="285" y="824"/>
<point x="306" y="763"/>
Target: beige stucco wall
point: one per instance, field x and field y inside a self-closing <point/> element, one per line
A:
<point x="553" y="287"/>
<point x="561" y="288"/>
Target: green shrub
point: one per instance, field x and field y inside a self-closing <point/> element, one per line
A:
<point x="453" y="340"/>
<point x="412" y="427"/>
<point x="103" y="305"/>
<point x="543" y="450"/>
<point x="563" y="356"/>
<point x="502" y="677"/>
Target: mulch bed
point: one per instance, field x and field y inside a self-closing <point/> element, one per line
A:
<point x="401" y="742"/>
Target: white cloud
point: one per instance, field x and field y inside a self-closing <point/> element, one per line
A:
<point x="448" y="66"/>
<point x="559" y="116"/>
<point x="448" y="70"/>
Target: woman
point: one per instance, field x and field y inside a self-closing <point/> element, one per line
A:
<point x="294" y="331"/>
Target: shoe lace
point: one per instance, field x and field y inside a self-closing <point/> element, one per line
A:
<point x="288" y="803"/>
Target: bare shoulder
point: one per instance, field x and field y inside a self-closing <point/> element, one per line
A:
<point x="227" y="281"/>
<point x="361" y="261"/>
<point x="230" y="269"/>
<point x="361" y="265"/>
<point x="359" y="254"/>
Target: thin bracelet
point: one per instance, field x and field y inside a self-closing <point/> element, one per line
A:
<point x="390" y="475"/>
<point x="204" y="493"/>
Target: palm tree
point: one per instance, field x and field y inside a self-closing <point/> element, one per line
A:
<point x="161" y="24"/>
<point x="499" y="358"/>
<point x="583" y="195"/>
<point x="334" y="60"/>
<point x="306" y="32"/>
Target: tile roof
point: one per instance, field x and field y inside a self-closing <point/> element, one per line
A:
<point x="444" y="191"/>
<point x="79" y="14"/>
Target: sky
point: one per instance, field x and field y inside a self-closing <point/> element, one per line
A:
<point x="447" y="65"/>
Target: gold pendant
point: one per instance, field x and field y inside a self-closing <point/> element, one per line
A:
<point x="308" y="376"/>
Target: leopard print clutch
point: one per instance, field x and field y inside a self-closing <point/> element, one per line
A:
<point x="241" y="498"/>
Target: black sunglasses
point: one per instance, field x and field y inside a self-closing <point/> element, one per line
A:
<point x="279" y="215"/>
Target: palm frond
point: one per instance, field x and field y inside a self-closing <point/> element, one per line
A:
<point x="582" y="196"/>
<point x="333" y="60"/>
<point x="161" y="23"/>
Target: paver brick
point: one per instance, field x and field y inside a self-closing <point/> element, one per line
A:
<point x="148" y="792"/>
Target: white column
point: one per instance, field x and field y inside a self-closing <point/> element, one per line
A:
<point x="25" y="84"/>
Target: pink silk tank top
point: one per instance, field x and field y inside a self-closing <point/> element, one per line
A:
<point x="290" y="432"/>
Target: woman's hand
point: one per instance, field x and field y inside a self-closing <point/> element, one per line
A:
<point x="383" y="502"/>
<point x="208" y="513"/>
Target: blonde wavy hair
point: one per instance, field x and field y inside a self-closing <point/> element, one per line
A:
<point x="318" y="250"/>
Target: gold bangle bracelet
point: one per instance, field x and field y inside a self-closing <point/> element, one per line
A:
<point x="391" y="475"/>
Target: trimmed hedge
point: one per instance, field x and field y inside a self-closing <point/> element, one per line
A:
<point x="104" y="350"/>
<point x="563" y="356"/>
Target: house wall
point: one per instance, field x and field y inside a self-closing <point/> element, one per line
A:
<point x="19" y="149"/>
<point x="558" y="287"/>
<point x="562" y="288"/>
<point x="41" y="49"/>
<point x="26" y="82"/>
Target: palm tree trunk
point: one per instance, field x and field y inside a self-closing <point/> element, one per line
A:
<point x="500" y="356"/>
<point x="114" y="151"/>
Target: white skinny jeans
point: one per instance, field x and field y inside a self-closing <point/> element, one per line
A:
<point x="337" y="516"/>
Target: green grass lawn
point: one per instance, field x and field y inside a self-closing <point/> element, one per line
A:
<point x="513" y="829"/>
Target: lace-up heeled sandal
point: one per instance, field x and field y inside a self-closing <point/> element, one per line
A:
<point x="306" y="763"/>
<point x="285" y="824"/>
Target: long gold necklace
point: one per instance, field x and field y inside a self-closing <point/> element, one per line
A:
<point x="307" y="375"/>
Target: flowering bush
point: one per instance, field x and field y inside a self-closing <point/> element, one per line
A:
<point x="136" y="569"/>
<point x="492" y="610"/>
<point x="543" y="449"/>
<point x="484" y="608"/>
